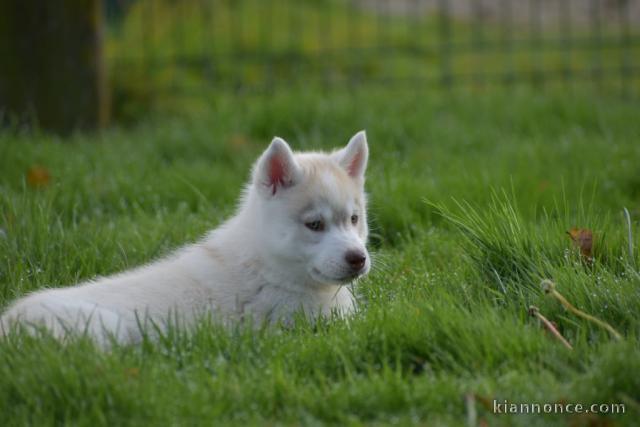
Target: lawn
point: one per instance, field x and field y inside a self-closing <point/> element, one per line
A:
<point x="471" y="196"/>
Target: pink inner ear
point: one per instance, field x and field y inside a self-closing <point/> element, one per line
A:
<point x="276" y="173"/>
<point x="354" y="165"/>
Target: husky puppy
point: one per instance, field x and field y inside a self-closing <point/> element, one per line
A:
<point x="297" y="239"/>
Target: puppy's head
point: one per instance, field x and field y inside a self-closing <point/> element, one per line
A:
<point x="313" y="209"/>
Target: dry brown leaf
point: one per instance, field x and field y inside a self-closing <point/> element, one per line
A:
<point x="38" y="176"/>
<point x="238" y="141"/>
<point x="132" y="372"/>
<point x="543" y="185"/>
<point x="583" y="239"/>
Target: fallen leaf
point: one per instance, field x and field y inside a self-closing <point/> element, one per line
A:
<point x="583" y="239"/>
<point x="132" y="372"/>
<point x="238" y="141"/>
<point x="38" y="176"/>
<point x="543" y="185"/>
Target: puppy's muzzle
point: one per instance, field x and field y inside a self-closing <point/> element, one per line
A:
<point x="356" y="260"/>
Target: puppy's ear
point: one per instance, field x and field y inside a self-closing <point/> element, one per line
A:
<point x="353" y="158"/>
<point x="276" y="169"/>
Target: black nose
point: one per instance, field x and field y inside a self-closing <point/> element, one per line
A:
<point x="355" y="259"/>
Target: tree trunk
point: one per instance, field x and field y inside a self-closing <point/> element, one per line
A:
<point x="51" y="63"/>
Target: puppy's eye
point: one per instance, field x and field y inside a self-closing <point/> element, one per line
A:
<point x="315" y="225"/>
<point x="354" y="219"/>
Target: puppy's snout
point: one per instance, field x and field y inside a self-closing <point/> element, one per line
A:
<point x="355" y="259"/>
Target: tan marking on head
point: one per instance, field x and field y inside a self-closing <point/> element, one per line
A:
<point x="324" y="180"/>
<point x="328" y="178"/>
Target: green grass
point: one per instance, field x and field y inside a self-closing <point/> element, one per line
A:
<point x="470" y="198"/>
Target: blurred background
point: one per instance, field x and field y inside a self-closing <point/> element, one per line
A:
<point x="88" y="63"/>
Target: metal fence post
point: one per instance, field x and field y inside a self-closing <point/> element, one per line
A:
<point x="446" y="76"/>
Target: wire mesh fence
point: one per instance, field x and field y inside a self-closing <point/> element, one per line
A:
<point x="162" y="46"/>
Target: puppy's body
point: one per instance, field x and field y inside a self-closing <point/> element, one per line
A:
<point x="298" y="237"/>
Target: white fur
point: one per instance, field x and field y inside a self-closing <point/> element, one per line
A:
<point x="264" y="263"/>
